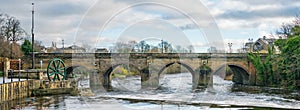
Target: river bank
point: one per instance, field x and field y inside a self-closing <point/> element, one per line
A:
<point x="286" y="93"/>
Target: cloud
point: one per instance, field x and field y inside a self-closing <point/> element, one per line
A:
<point x="79" y="20"/>
<point x="266" y="2"/>
<point x="58" y="9"/>
<point x="259" y="14"/>
<point x="54" y="19"/>
<point x="252" y="14"/>
<point x="188" y="26"/>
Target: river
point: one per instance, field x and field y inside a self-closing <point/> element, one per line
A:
<point x="175" y="93"/>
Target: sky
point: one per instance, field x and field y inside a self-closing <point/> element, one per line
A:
<point x="200" y="23"/>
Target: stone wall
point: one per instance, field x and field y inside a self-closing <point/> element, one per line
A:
<point x="16" y="90"/>
<point x="22" y="89"/>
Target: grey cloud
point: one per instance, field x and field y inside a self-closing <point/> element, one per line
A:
<point x="287" y="11"/>
<point x="62" y="9"/>
<point x="263" y="2"/>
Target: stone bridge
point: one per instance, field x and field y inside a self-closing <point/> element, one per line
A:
<point x="152" y="65"/>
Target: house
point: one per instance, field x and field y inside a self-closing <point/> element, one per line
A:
<point x="248" y="47"/>
<point x="52" y="49"/>
<point x="261" y="45"/>
<point x="72" y="49"/>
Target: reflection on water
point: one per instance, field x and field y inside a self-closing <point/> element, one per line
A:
<point x="175" y="93"/>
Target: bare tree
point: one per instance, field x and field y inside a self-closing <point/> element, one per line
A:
<point x="297" y="20"/>
<point x="132" y="44"/>
<point x="212" y="49"/>
<point x="180" y="49"/>
<point x="122" y="47"/>
<point x="191" y="48"/>
<point x="2" y="22"/>
<point x="285" y="29"/>
<point x="10" y="31"/>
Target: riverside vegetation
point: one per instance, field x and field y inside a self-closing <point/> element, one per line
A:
<point x="281" y="70"/>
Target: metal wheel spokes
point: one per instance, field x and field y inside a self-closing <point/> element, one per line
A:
<point x="56" y="70"/>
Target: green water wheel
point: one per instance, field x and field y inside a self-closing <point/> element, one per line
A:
<point x="56" y="70"/>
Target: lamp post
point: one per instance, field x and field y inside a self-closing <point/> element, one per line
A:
<point x="251" y="44"/>
<point x="63" y="46"/>
<point x="162" y="46"/>
<point x="230" y="45"/>
<point x="32" y="27"/>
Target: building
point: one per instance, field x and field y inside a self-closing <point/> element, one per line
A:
<point x="70" y="49"/>
<point x="248" y="47"/>
<point x="261" y="45"/>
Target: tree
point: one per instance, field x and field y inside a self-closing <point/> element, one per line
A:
<point x="142" y="47"/>
<point x="17" y="52"/>
<point x="212" y="49"/>
<point x="124" y="47"/>
<point x="295" y="31"/>
<point x="264" y="68"/>
<point x="12" y="29"/>
<point x="5" y="48"/>
<point x="297" y="20"/>
<point x="165" y="46"/>
<point x="285" y="29"/>
<point x="155" y="49"/>
<point x="191" y="48"/>
<point x="10" y="33"/>
<point x="180" y="49"/>
<point x="147" y="48"/>
<point x="26" y="47"/>
<point x="288" y="62"/>
<point x="2" y="23"/>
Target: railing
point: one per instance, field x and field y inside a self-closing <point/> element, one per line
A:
<point x="21" y="74"/>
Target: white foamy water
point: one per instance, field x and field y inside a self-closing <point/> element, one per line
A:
<point x="175" y="93"/>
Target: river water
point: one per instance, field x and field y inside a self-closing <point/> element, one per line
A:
<point x="175" y="93"/>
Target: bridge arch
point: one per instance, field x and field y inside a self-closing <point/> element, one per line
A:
<point x="237" y="73"/>
<point x="195" y="77"/>
<point x="70" y="70"/>
<point x="108" y="73"/>
<point x="188" y="67"/>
